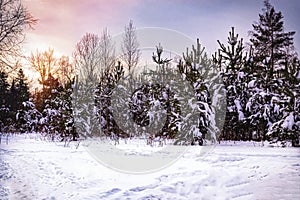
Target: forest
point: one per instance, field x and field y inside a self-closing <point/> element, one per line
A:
<point x="245" y="91"/>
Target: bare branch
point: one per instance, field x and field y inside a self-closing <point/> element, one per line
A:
<point x="87" y="57"/>
<point x="130" y="47"/>
<point x="44" y="63"/>
<point x="14" y="19"/>
<point x="107" y="51"/>
<point x="66" y="70"/>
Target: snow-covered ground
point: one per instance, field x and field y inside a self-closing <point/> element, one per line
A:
<point x="34" y="169"/>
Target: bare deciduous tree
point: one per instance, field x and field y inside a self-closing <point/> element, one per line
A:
<point x="107" y="52"/>
<point x="87" y="57"/>
<point x="44" y="63"/>
<point x="66" y="70"/>
<point x="130" y="47"/>
<point x="87" y="61"/>
<point x="14" y="18"/>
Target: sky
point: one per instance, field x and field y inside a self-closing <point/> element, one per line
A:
<point x="63" y="22"/>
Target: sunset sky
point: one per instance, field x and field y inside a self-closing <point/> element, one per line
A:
<point x="63" y="22"/>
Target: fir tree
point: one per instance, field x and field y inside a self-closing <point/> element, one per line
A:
<point x="83" y="101"/>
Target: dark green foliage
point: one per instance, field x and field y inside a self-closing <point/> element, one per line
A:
<point x="66" y="111"/>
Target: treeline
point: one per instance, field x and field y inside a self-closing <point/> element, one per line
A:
<point x="244" y="92"/>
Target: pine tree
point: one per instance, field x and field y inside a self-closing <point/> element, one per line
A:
<point x="19" y="91"/>
<point x="84" y="112"/>
<point x="51" y="116"/>
<point x="27" y="118"/>
<point x="277" y="85"/>
<point x="67" y="127"/>
<point x="22" y="87"/>
<point x="194" y="69"/>
<point x="206" y="82"/>
<point x="110" y="117"/>
<point x="4" y="102"/>
<point x="230" y="60"/>
<point x="269" y="40"/>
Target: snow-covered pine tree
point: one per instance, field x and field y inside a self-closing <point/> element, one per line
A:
<point x="93" y="104"/>
<point x="194" y="71"/>
<point x="58" y="113"/>
<point x="58" y="120"/>
<point x="199" y="71"/>
<point x="84" y="109"/>
<point x="162" y="96"/>
<point x="111" y="121"/>
<point x="276" y="74"/>
<point x="51" y="113"/>
<point x="149" y="108"/>
<point x="67" y="127"/>
<point x="27" y="118"/>
<point x="230" y="60"/>
<point x="11" y="99"/>
<point x="286" y="105"/>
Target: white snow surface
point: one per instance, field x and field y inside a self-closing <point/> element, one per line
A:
<point x="35" y="169"/>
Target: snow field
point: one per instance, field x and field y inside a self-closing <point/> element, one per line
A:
<point x="34" y="169"/>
